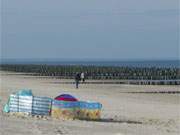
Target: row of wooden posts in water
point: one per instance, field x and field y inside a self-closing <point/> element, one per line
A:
<point x="136" y="82"/>
<point x="131" y="75"/>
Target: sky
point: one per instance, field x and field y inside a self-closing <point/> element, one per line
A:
<point x="93" y="29"/>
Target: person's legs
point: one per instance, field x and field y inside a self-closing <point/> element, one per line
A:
<point x="77" y="83"/>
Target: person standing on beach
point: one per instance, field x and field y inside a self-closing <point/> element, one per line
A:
<point x="82" y="77"/>
<point x="77" y="79"/>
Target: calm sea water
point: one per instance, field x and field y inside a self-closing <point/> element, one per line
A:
<point x="144" y="63"/>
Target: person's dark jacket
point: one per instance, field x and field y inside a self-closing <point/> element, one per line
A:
<point x="78" y="77"/>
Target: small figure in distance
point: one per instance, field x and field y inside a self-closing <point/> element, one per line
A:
<point x="82" y="77"/>
<point x="77" y="79"/>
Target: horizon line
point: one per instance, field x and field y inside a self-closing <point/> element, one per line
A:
<point x="84" y="59"/>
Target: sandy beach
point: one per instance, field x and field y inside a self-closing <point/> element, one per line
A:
<point x="124" y="111"/>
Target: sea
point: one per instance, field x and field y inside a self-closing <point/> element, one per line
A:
<point x="114" y="63"/>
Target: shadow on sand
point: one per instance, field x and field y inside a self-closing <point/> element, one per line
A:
<point x="113" y="121"/>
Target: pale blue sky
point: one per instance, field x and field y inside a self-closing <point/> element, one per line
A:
<point x="93" y="29"/>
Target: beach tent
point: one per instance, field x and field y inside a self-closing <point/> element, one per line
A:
<point x="66" y="97"/>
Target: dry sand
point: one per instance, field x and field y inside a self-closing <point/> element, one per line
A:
<point x="122" y="114"/>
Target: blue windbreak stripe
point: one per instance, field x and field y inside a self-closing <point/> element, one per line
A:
<point x="66" y="105"/>
<point x="25" y="110"/>
<point x="13" y="99"/>
<point x="41" y="104"/>
<point x="42" y="99"/>
<point x="34" y="108"/>
<point x="13" y="104"/>
<point x="45" y="101"/>
<point x="80" y="104"/>
<point x="13" y="108"/>
<point x="25" y="107"/>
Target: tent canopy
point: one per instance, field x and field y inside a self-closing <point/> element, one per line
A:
<point x="66" y="97"/>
